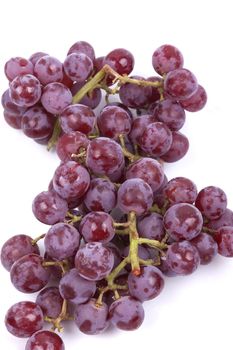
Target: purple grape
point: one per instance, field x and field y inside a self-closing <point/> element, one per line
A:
<point x="167" y="58"/>
<point x="171" y="113"/>
<point x="71" y="180"/>
<point x="12" y="119"/>
<point x="49" y="208"/>
<point x="71" y="143"/>
<point x="126" y="313"/>
<point x="37" y="123"/>
<point x="180" y="190"/>
<point x="25" y="90"/>
<point x="143" y="253"/>
<point x="135" y="195"/>
<point x="121" y="60"/>
<point x="166" y="269"/>
<point x="48" y="69"/>
<point x="147" y="169"/>
<point x="196" y="102"/>
<point x="148" y="285"/>
<point x="101" y="195"/>
<point x="224" y="239"/>
<point x="155" y="93"/>
<point x="17" y="66"/>
<point x="91" y="99"/>
<point x="56" y="97"/>
<point x="212" y="202"/>
<point x="78" y="66"/>
<point x="28" y="274"/>
<point x="77" y="117"/>
<point x="75" y="288"/>
<point x="182" y="258"/>
<point x="138" y="126"/>
<point x="180" y="83"/>
<point x="9" y="106"/>
<point x="94" y="261"/>
<point x="151" y="226"/>
<point x="82" y="47"/>
<point x="23" y="319"/>
<point x="206" y="246"/>
<point x="50" y="302"/>
<point x="183" y="221"/>
<point x="98" y="63"/>
<point x="91" y="318"/>
<point x="135" y="96"/>
<point x="45" y="340"/>
<point x="178" y="149"/>
<point x="97" y="227"/>
<point x="225" y="220"/>
<point x="16" y="247"/>
<point x="116" y="252"/>
<point x="62" y="241"/>
<point x="36" y="56"/>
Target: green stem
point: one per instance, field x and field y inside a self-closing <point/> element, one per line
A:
<point x="34" y="241"/>
<point x="133" y="246"/>
<point x="153" y="243"/>
<point x="56" y="133"/>
<point x="208" y="230"/>
<point x="110" y="278"/>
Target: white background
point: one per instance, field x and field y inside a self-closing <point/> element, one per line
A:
<point x="193" y="312"/>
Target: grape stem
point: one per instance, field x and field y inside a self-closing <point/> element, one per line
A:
<point x="74" y="218"/>
<point x="62" y="264"/>
<point x="208" y="230"/>
<point x="34" y="241"/>
<point x="57" y="321"/>
<point x="56" y="133"/>
<point x="132" y="157"/>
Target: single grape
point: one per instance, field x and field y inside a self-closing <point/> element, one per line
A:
<point x="135" y="195"/>
<point x="78" y="66"/>
<point x="180" y="190"/>
<point x="212" y="202"/>
<point x="45" y="340"/>
<point x="126" y="313"/>
<point x="92" y="99"/>
<point x="151" y="226"/>
<point x="75" y="288"/>
<point x="71" y="180"/>
<point x="178" y="149"/>
<point x="37" y="123"/>
<point x="28" y="275"/>
<point x="156" y="139"/>
<point x="56" y="97"/>
<point x="147" y="169"/>
<point x="77" y="117"/>
<point x="138" y="126"/>
<point x="23" y="319"/>
<point x="36" y="56"/>
<point x="71" y="143"/>
<point x="121" y="60"/>
<point x="91" y="318"/>
<point x="183" y="221"/>
<point x="25" y="90"/>
<point x="97" y="227"/>
<point x="49" y="208"/>
<point x="182" y="258"/>
<point x="48" y="69"/>
<point x="16" y="247"/>
<point x="9" y="106"/>
<point x="62" y="241"/>
<point x="171" y="113"/>
<point x="196" y="102"/>
<point x="12" y="119"/>
<point x="94" y="261"/>
<point x="101" y="195"/>
<point x="225" y="220"/>
<point x="17" y="66"/>
<point x="206" y="246"/>
<point x="180" y="83"/>
<point x="224" y="239"/>
<point x="147" y="285"/>
<point x="165" y="268"/>
<point x="135" y="96"/>
<point x="167" y="58"/>
<point x="113" y="121"/>
<point x="50" y="302"/>
<point x="82" y="47"/>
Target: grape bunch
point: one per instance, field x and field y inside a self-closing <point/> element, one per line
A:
<point x="116" y="226"/>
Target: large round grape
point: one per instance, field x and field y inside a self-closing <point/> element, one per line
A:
<point x="180" y="189"/>
<point x="78" y="66"/>
<point x="151" y="226"/>
<point x="171" y="113"/>
<point x="45" y="340"/>
<point x="25" y="90"/>
<point x="225" y="220"/>
<point x="212" y="202"/>
<point x="206" y="246"/>
<point x="224" y="239"/>
<point x="77" y="117"/>
<point x="135" y="96"/>
<point x="121" y="60"/>
<point x="50" y="301"/>
<point x="71" y="144"/>
<point x="179" y="148"/>
<point x="56" y="97"/>
<point x="48" y="69"/>
<point x="97" y="227"/>
<point x="17" y="66"/>
<point x="196" y="102"/>
<point x="37" y="123"/>
<point x="167" y="58"/>
<point x="180" y="83"/>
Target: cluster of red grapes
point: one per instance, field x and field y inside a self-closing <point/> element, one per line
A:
<point x="118" y="226"/>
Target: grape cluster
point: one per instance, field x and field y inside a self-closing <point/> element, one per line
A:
<point x="117" y="226"/>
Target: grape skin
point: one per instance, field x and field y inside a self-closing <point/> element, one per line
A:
<point x="121" y="60"/>
<point x="167" y="58"/>
<point x="37" y="123"/>
<point x="135" y="96"/>
<point x="212" y="202"/>
<point x="82" y="47"/>
<point x="224" y="239"/>
<point x="25" y="90"/>
<point x="48" y="69"/>
<point x="206" y="246"/>
<point x="45" y="340"/>
<point x="196" y="102"/>
<point x="180" y="189"/>
<point x="151" y="226"/>
<point x="180" y="83"/>
<point x="225" y="220"/>
<point x="97" y="227"/>
<point x="9" y="106"/>
<point x="50" y="302"/>
<point x="179" y="148"/>
<point x="71" y="143"/>
<point x="77" y="117"/>
<point x="78" y="66"/>
<point x="17" y="66"/>
<point x="171" y="113"/>
<point x="56" y="97"/>
<point x="138" y="126"/>
<point x="36" y="56"/>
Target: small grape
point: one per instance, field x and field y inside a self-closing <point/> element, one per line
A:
<point x="77" y="117"/>
<point x="151" y="226"/>
<point x="196" y="102"/>
<point x="78" y="66"/>
<point x="180" y="83"/>
<point x="48" y="69"/>
<point x="97" y="227"/>
<point x="25" y="90"/>
<point x="224" y="239"/>
<point x="206" y="246"/>
<point x="212" y="202"/>
<point x="180" y="190"/>
<point x="167" y="58"/>
<point x="17" y="66"/>
<point x="50" y="302"/>
<point x="37" y="123"/>
<point x="171" y="113"/>
<point x="178" y="149"/>
<point x="56" y="97"/>
<point x="45" y="340"/>
<point x="82" y="47"/>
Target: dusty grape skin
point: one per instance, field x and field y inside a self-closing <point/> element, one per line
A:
<point x="62" y="241"/>
<point x="71" y="180"/>
<point x="75" y="288"/>
<point x="104" y="156"/>
<point x="167" y="58"/>
<point x="196" y="102"/>
<point x="9" y="106"/>
<point x="225" y="220"/>
<point x="206" y="246"/>
<point x="166" y="269"/>
<point x="180" y="83"/>
<point x="56" y="97"/>
<point x="25" y="90"/>
<point x="183" y="221"/>
<point x="77" y="117"/>
<point x="171" y="113"/>
<point x="212" y="202"/>
<point x="16" y="247"/>
<point x="45" y="340"/>
<point x="50" y="302"/>
<point x="224" y="239"/>
<point x="82" y="47"/>
<point x="28" y="275"/>
<point x="121" y="60"/>
<point x="151" y="226"/>
<point x="36" y="56"/>
<point x="101" y="195"/>
<point x="97" y="227"/>
<point x="94" y="261"/>
<point x="37" y="123"/>
<point x="23" y="319"/>
<point x="126" y="313"/>
<point x="155" y="94"/>
<point x="78" y="66"/>
<point x="156" y="139"/>
<point x="91" y="318"/>
<point x="91" y="99"/>
<point x="180" y="190"/>
<point x="178" y="149"/>
<point x="71" y="143"/>
<point x="135" y="96"/>
<point x="48" y="69"/>
<point x="55" y="270"/>
<point x="147" y="169"/>
<point x="17" y="66"/>
<point x="182" y="258"/>
<point x="113" y="121"/>
<point x="49" y="208"/>
<point x="148" y="285"/>
<point x="138" y="126"/>
<point x="12" y="119"/>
